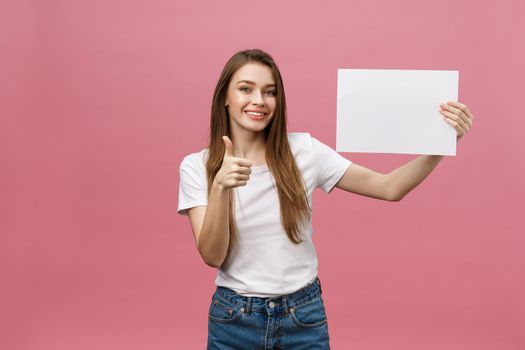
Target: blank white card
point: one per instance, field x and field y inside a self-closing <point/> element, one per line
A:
<point x="395" y="111"/>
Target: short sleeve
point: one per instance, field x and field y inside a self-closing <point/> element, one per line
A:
<point x="330" y="165"/>
<point x="193" y="188"/>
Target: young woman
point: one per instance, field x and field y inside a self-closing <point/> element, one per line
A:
<point x="248" y="196"/>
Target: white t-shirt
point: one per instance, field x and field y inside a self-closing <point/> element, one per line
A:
<point x="266" y="263"/>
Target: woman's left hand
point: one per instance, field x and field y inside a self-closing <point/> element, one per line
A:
<point x="457" y="115"/>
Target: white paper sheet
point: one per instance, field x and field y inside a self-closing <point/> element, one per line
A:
<point x="395" y="111"/>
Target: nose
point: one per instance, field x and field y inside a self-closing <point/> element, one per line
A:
<point x="257" y="98"/>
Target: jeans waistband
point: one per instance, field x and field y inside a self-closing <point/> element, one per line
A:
<point x="272" y="304"/>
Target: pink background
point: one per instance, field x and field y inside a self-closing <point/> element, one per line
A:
<point x="100" y="101"/>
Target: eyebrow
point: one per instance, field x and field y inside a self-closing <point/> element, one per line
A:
<point x="251" y="82"/>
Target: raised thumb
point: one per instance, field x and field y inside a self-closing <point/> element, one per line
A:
<point x="229" y="146"/>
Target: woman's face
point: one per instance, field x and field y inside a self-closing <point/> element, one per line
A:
<point x="251" y="97"/>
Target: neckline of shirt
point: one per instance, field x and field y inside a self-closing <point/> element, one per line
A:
<point x="259" y="168"/>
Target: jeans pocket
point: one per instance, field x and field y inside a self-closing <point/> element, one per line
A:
<point x="309" y="315"/>
<point x="221" y="311"/>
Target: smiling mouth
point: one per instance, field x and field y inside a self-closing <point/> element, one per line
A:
<point x="256" y="116"/>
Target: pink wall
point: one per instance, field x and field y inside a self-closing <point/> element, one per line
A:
<point x="100" y="100"/>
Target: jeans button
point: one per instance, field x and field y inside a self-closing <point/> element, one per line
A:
<point x="271" y="304"/>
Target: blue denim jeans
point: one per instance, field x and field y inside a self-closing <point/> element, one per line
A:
<point x="293" y="321"/>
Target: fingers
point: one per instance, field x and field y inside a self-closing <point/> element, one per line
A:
<point x="242" y="177"/>
<point x="460" y="111"/>
<point x="457" y="115"/>
<point x="461" y="107"/>
<point x="457" y="119"/>
<point x="243" y="162"/>
<point x="235" y="171"/>
<point x="236" y="178"/>
<point x="243" y="170"/>
<point x="455" y="123"/>
<point x="228" y="152"/>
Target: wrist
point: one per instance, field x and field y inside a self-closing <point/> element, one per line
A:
<point x="217" y="186"/>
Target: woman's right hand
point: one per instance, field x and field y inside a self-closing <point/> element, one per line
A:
<point x="235" y="171"/>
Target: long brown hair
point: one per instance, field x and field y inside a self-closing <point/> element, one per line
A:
<point x="295" y="209"/>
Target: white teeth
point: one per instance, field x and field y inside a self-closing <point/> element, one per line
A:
<point x="255" y="113"/>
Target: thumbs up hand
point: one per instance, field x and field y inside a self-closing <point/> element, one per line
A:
<point x="228" y="151"/>
<point x="235" y="171"/>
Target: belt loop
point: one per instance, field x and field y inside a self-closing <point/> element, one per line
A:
<point x="285" y="306"/>
<point x="248" y="306"/>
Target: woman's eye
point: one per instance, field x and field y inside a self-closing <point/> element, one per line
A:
<point x="247" y="89"/>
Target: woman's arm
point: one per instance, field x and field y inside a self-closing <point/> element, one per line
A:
<point x="210" y="224"/>
<point x="398" y="183"/>
<point x="392" y="186"/>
